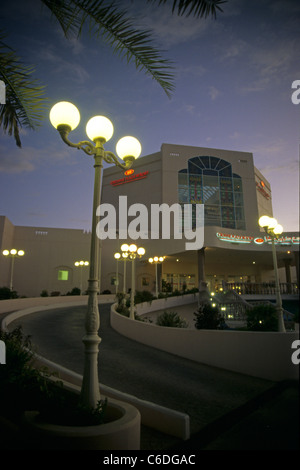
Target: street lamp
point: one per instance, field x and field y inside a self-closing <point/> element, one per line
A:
<point x="273" y="229"/>
<point x="13" y="253"/>
<point x="131" y="252"/>
<point x="81" y="264"/>
<point x="65" y="117"/>
<point x="117" y="256"/>
<point x="156" y="260"/>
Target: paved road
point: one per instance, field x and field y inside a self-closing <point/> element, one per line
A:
<point x="208" y="395"/>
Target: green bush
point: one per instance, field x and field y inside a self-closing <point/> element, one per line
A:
<point x="208" y="318"/>
<point x="74" y="291"/>
<point x="44" y="293"/>
<point x="171" y="319"/>
<point x="6" y="293"/>
<point x="24" y="387"/>
<point x="262" y="318"/>
<point x="143" y="296"/>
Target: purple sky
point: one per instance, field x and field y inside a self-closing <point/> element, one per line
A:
<point x="233" y="91"/>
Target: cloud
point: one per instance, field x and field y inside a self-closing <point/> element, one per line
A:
<point x="170" y="29"/>
<point x="213" y="93"/>
<point x="27" y="159"/>
<point x="63" y="67"/>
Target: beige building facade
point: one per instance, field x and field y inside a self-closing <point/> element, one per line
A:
<point x="233" y="249"/>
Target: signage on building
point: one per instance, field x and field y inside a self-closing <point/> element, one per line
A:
<point x="129" y="178"/>
<point x="257" y="240"/>
<point x="260" y="187"/>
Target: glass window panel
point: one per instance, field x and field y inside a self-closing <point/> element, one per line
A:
<point x="183" y="189"/>
<point x="238" y="199"/>
<point x="227" y="171"/>
<point x="226" y="198"/>
<point x="195" y="189"/>
<point x="212" y="215"/>
<point x="63" y="275"/>
<point x="237" y="184"/>
<point x="214" y="161"/>
<point x="194" y="167"/>
<point x="205" y="161"/>
<point x="225" y="184"/>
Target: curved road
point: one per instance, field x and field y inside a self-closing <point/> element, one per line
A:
<point x="203" y="392"/>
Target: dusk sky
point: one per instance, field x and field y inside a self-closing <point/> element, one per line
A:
<point x="233" y="88"/>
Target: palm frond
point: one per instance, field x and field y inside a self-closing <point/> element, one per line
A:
<point x="199" y="8"/>
<point x="24" y="96"/>
<point x="112" y="24"/>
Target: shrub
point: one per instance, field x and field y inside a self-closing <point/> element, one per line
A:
<point x="6" y="293"/>
<point x="122" y="304"/>
<point x="262" y="318"/>
<point x="143" y="296"/>
<point x="23" y="387"/>
<point x="208" y="318"/>
<point x="44" y="293"/>
<point x="171" y="319"/>
<point x="74" y="291"/>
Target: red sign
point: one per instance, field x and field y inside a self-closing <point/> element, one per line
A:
<point x="129" y="172"/>
<point x="262" y="190"/>
<point x="130" y="178"/>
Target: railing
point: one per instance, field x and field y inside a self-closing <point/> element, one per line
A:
<point x="264" y="288"/>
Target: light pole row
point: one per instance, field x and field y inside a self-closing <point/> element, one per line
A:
<point x="156" y="260"/>
<point x="13" y="253"/>
<point x="129" y="253"/>
<point x="81" y="264"/>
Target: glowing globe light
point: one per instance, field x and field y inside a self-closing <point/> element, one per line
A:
<point x="64" y="113"/>
<point x="99" y="127"/>
<point x="128" y="147"/>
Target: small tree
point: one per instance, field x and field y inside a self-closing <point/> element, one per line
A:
<point x="262" y="318"/>
<point x="208" y="318"/>
<point x="171" y="319"/>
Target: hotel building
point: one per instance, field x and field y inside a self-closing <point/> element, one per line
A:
<point x="234" y="251"/>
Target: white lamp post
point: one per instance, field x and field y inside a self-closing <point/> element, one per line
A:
<point x="81" y="264"/>
<point x="117" y="256"/>
<point x="13" y="253"/>
<point x="132" y="252"/>
<point x="65" y="117"/>
<point x="273" y="229"/>
<point x="156" y="260"/>
<point x="124" y="249"/>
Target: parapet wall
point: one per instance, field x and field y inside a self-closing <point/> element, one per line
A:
<point x="266" y="355"/>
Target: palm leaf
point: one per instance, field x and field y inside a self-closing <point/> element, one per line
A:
<point x="24" y="96"/>
<point x="113" y="25"/>
<point x="199" y="8"/>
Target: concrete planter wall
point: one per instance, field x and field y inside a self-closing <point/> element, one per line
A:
<point x="121" y="432"/>
<point x="266" y="355"/>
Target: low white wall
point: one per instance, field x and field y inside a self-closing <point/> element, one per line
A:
<point x="167" y="303"/>
<point x="11" y="305"/>
<point x="265" y="355"/>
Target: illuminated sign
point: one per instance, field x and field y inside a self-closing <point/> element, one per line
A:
<point x="257" y="240"/>
<point x="260" y="187"/>
<point x="129" y="172"/>
<point x="130" y="178"/>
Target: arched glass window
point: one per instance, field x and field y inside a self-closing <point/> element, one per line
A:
<point x="210" y="181"/>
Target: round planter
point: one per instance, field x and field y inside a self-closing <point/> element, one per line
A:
<point x="120" y="432"/>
